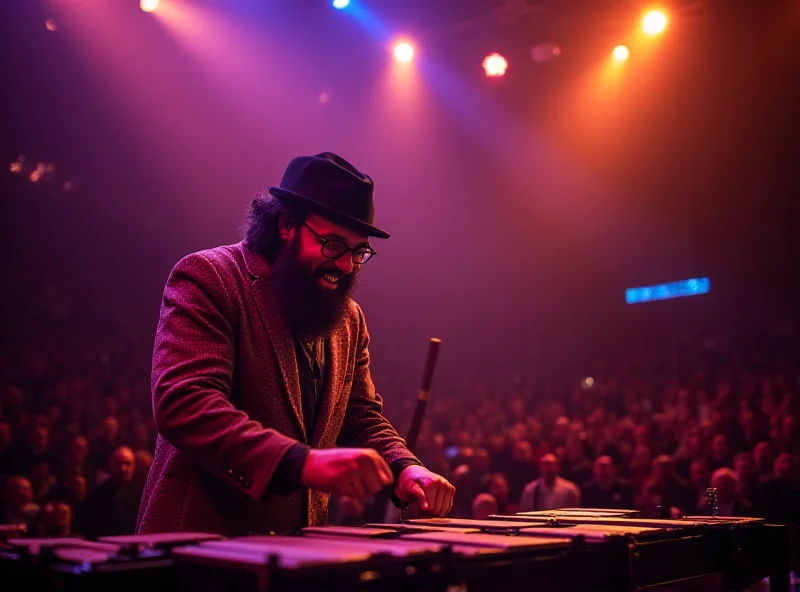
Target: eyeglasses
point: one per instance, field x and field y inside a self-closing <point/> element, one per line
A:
<point x="333" y="248"/>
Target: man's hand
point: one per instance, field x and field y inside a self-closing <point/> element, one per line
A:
<point x="357" y="472"/>
<point x="433" y="492"/>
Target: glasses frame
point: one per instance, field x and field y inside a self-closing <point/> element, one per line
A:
<point x="324" y="241"/>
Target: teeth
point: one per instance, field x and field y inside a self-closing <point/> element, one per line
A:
<point x="332" y="279"/>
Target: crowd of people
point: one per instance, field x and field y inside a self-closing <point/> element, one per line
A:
<point x="640" y="431"/>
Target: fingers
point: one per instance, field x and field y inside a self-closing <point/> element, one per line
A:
<point x="372" y="481"/>
<point x="355" y="488"/>
<point x="416" y="490"/>
<point x="382" y="471"/>
<point x="374" y="472"/>
<point x="440" y="495"/>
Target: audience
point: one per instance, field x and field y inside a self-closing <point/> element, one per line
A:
<point x="77" y="434"/>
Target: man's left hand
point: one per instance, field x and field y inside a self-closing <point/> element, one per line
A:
<point x="433" y="492"/>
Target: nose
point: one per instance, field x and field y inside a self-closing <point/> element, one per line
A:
<point x="345" y="263"/>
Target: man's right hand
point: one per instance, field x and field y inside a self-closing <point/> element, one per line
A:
<point x="357" y="472"/>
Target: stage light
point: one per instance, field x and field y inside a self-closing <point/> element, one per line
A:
<point x="495" y="65"/>
<point x="51" y="25"/>
<point x="404" y="52"/>
<point x="340" y="3"/>
<point x="621" y="53"/>
<point x="148" y="5"/>
<point x="654" y="22"/>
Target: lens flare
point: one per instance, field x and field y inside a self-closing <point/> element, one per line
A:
<point x="621" y="53"/>
<point x="404" y="52"/>
<point x="654" y="22"/>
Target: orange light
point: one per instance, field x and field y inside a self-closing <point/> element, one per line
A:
<point x="148" y="5"/>
<point x="654" y="22"/>
<point x="404" y="52"/>
<point x="621" y="53"/>
<point x="495" y="65"/>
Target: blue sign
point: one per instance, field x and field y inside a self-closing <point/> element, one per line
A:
<point x="690" y="287"/>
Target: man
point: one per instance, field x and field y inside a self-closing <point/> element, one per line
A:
<point x="18" y="506"/>
<point x="672" y="491"/>
<point x="605" y="490"/>
<point x="729" y="502"/>
<point x="261" y="381"/>
<point x="111" y="508"/>
<point x="551" y="492"/>
<point x="749" y="488"/>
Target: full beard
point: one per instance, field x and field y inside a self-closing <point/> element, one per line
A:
<point x="311" y="311"/>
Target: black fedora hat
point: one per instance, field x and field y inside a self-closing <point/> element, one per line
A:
<point x="328" y="185"/>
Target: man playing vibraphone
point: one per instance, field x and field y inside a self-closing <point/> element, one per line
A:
<point x="261" y="381"/>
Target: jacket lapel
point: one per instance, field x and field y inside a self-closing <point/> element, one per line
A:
<point x="282" y="343"/>
<point x="335" y="369"/>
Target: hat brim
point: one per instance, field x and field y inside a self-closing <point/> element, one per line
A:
<point x="328" y="213"/>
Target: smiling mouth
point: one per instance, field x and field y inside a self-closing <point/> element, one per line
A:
<point x="330" y="281"/>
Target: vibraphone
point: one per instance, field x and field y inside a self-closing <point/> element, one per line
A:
<point x="573" y="550"/>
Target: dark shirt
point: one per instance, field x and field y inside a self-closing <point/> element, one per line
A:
<point x="618" y="496"/>
<point x="109" y="509"/>
<point x="311" y="368"/>
<point x="311" y="359"/>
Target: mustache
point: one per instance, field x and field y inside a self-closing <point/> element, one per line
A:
<point x="334" y="271"/>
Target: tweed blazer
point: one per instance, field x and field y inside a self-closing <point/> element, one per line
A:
<point x="227" y="401"/>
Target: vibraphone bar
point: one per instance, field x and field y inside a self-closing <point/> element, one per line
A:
<point x="574" y="550"/>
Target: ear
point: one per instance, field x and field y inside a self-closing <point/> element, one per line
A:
<point x="286" y="226"/>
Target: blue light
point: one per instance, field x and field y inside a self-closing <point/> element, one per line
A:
<point x="690" y="287"/>
<point x="340" y="3"/>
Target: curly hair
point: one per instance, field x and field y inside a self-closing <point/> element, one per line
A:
<point x="261" y="230"/>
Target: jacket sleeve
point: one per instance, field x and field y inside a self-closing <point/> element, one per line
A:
<point x="193" y="362"/>
<point x="364" y="425"/>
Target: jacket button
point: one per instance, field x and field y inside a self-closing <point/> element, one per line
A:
<point x="248" y="484"/>
<point x="230" y="472"/>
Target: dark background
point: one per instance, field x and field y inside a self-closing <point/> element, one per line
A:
<point x="520" y="209"/>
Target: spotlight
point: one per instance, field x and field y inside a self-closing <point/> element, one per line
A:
<point x="621" y="53"/>
<point x="495" y="65"/>
<point x="341" y="3"/>
<point x="51" y="25"/>
<point x="404" y="52"/>
<point x="654" y="22"/>
<point x="148" y="5"/>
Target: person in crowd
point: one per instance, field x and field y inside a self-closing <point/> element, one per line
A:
<point x="605" y="490"/>
<point x="729" y="501"/>
<point x="112" y="508"/>
<point x="483" y="506"/>
<point x="674" y="492"/>
<point x="18" y="506"/>
<point x="550" y="491"/>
